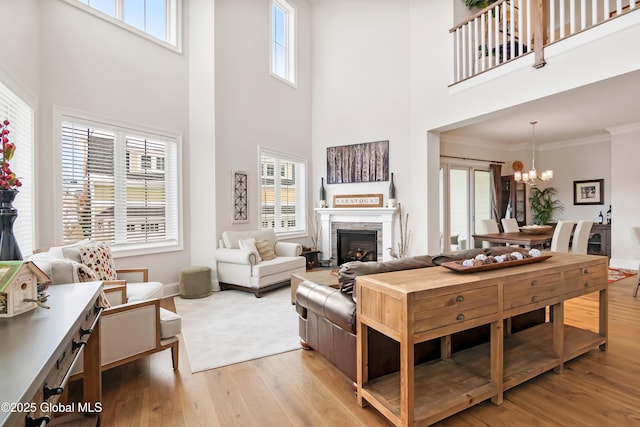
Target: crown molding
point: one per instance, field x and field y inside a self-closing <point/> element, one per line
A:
<point x="482" y="143"/>
<point x="548" y="146"/>
<point x="621" y="130"/>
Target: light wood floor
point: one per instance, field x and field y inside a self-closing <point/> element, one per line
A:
<point x="300" y="388"/>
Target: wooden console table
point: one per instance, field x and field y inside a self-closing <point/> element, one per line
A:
<point x="413" y="306"/>
<point x="37" y="353"/>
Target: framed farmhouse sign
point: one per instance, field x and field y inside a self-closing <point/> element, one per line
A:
<point x="357" y="201"/>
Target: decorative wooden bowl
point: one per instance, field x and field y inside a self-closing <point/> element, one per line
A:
<point x="536" y="229"/>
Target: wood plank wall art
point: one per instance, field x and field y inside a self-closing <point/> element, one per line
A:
<point x="367" y="162"/>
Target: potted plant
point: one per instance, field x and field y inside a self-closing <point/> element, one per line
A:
<point x="543" y="204"/>
<point x="480" y="4"/>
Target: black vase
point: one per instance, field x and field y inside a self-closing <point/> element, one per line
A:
<point x="392" y="188"/>
<point x="9" y="249"/>
<point x="322" y="193"/>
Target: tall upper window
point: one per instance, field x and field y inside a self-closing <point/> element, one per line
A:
<point x="156" y="18"/>
<point x="283" y="46"/>
<point x="119" y="185"/>
<point x="282" y="192"/>
<point x="21" y="134"/>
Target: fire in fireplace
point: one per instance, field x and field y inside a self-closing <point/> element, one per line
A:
<point x="357" y="245"/>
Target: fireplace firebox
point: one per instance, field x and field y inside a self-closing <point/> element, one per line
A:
<point x="357" y="245"/>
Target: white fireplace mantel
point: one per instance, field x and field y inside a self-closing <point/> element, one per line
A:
<point x="385" y="216"/>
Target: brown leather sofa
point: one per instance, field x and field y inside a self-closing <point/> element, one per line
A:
<point x="327" y="318"/>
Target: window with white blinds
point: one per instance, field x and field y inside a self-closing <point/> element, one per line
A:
<point x="119" y="186"/>
<point x="282" y="192"/>
<point x="21" y="128"/>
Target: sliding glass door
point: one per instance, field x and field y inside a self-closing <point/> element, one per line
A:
<point x="465" y="200"/>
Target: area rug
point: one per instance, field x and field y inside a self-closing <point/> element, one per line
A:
<point x="230" y="326"/>
<point x="615" y="275"/>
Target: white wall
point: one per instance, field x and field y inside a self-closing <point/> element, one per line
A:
<point x="252" y="107"/>
<point x="200" y="153"/>
<point x="93" y="66"/>
<point x="578" y="161"/>
<point x="361" y="91"/>
<point x="19" y="30"/>
<point x="625" y="176"/>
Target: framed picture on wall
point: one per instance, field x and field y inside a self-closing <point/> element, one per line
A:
<point x="239" y="184"/>
<point x="589" y="192"/>
<point x="368" y="162"/>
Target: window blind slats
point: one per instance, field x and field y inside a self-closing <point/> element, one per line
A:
<point x="21" y="118"/>
<point x="282" y="202"/>
<point x="116" y="186"/>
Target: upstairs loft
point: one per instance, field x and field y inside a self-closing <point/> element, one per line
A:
<point x="510" y="29"/>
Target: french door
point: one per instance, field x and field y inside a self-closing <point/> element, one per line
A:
<point x="465" y="200"/>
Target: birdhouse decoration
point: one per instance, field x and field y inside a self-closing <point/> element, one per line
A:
<point x="19" y="287"/>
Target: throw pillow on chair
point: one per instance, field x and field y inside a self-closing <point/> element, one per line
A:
<point x="98" y="258"/>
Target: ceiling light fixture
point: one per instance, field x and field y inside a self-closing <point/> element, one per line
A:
<point x="532" y="177"/>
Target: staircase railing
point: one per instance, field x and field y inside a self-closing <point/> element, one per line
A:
<point x="508" y="29"/>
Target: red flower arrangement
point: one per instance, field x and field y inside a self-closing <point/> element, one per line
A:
<point x="8" y="179"/>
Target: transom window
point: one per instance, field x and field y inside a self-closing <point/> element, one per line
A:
<point x="119" y="185"/>
<point x="158" y="19"/>
<point x="283" y="54"/>
<point x="282" y="192"/>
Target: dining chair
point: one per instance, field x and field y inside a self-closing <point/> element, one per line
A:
<point x="561" y="235"/>
<point x="510" y="225"/>
<point x="581" y="237"/>
<point x="488" y="226"/>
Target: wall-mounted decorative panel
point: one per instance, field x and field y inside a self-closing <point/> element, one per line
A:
<point x="240" y="206"/>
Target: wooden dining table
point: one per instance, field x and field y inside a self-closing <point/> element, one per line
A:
<point x="519" y="238"/>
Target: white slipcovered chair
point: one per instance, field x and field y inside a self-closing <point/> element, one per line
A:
<point x="581" y="237"/>
<point x="561" y="236"/>
<point x="135" y="325"/>
<point x="488" y="226"/>
<point x="510" y="225"/>
<point x="261" y="264"/>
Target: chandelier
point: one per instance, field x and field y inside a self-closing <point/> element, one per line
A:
<point x="532" y="178"/>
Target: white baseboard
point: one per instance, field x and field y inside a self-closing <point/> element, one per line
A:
<point x="624" y="263"/>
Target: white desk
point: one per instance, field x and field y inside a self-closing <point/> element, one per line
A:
<point x="36" y="348"/>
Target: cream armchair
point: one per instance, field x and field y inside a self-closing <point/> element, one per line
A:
<point x="261" y="264"/>
<point x="135" y="325"/>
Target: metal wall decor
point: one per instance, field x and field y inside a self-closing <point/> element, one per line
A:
<point x="368" y="162"/>
<point x="239" y="191"/>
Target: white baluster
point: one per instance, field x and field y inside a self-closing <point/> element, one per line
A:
<point x="572" y="17"/>
<point x="552" y="21"/>
<point x="520" y="24"/>
<point x="561" y="20"/>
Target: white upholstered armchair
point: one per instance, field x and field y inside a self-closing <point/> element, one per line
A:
<point x="135" y="325"/>
<point x="255" y="261"/>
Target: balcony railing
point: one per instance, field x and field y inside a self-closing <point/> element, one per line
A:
<point x="508" y="29"/>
